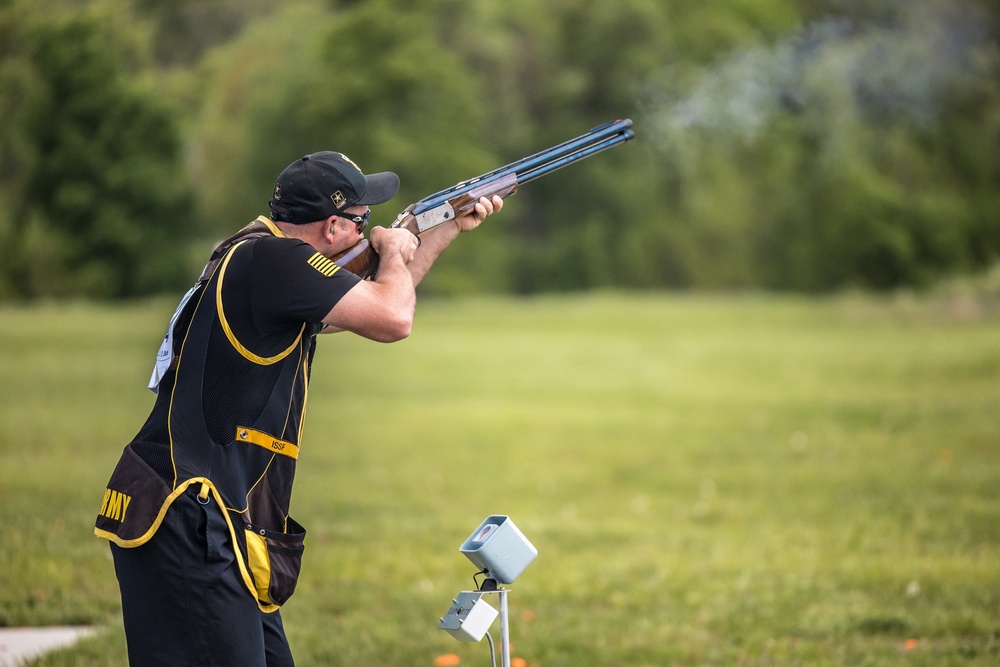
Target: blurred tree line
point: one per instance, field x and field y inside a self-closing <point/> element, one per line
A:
<point x="780" y="143"/>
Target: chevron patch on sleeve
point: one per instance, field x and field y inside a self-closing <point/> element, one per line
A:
<point x="323" y="265"/>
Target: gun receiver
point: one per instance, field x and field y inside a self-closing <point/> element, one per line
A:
<point x="459" y="199"/>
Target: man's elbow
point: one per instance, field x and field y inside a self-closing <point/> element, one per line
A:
<point x="396" y="329"/>
<point x="397" y="334"/>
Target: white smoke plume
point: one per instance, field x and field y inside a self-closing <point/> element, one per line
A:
<point x="898" y="71"/>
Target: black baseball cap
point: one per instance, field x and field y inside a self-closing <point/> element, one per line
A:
<point x="319" y="185"/>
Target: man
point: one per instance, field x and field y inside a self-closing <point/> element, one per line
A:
<point x="197" y="508"/>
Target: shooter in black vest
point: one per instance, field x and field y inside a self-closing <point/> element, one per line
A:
<point x="197" y="509"/>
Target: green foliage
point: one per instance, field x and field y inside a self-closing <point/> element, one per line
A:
<point x="184" y="30"/>
<point x="102" y="207"/>
<point x="841" y="156"/>
<point x="779" y="144"/>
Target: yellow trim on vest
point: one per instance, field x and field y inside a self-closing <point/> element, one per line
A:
<point x="260" y="564"/>
<point x="173" y="390"/>
<point x="305" y="394"/>
<point x="142" y="539"/>
<point x="270" y="225"/>
<point x="247" y="354"/>
<point x="266" y="607"/>
<point x="268" y="442"/>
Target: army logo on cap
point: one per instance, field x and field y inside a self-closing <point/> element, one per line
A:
<point x="338" y="199"/>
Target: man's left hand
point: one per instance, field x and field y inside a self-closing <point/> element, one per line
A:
<point x="482" y="210"/>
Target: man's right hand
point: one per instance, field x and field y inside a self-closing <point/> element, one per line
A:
<point x="381" y="308"/>
<point x="387" y="242"/>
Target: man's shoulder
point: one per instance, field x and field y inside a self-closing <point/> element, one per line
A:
<point x="278" y="242"/>
<point x="278" y="248"/>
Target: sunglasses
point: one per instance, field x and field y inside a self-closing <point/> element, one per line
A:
<point x="360" y="220"/>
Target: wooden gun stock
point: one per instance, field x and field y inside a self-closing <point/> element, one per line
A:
<point x="446" y="205"/>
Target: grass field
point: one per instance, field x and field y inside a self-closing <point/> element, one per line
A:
<point x="739" y="480"/>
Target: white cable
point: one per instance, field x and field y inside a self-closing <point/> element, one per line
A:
<point x="493" y="653"/>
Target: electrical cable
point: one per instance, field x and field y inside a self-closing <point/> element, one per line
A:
<point x="493" y="653"/>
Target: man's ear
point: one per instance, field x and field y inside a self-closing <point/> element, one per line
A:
<point x="329" y="229"/>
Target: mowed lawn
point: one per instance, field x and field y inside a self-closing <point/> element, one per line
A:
<point x="709" y="480"/>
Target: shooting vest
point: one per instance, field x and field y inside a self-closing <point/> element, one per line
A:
<point x="234" y="420"/>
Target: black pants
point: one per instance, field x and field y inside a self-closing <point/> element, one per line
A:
<point x="184" y="600"/>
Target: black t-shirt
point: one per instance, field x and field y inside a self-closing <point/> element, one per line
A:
<point x="272" y="285"/>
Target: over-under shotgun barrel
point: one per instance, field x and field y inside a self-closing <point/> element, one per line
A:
<point x="529" y="168"/>
<point x="453" y="202"/>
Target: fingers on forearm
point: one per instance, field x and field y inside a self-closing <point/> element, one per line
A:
<point x="485" y="207"/>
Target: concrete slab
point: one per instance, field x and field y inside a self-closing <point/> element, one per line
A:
<point x="20" y="644"/>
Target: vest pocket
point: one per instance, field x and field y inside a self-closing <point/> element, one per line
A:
<point x="275" y="558"/>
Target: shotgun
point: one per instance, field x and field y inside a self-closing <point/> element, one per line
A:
<point x="457" y="200"/>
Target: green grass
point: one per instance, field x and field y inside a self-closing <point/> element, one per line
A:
<point x="732" y="480"/>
